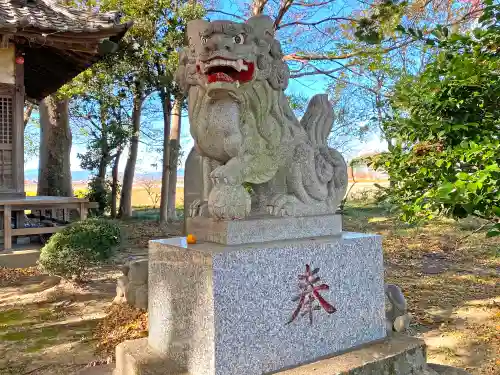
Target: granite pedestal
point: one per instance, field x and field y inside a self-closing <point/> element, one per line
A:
<point x="292" y="305"/>
<point x="218" y="309"/>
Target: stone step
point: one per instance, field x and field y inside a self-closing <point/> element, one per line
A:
<point x="97" y="370"/>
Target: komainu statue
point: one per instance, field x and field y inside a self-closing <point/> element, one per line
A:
<point x="243" y="127"/>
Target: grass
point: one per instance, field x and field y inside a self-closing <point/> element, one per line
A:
<point x="447" y="271"/>
<point x="141" y="198"/>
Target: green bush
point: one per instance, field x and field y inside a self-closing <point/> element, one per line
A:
<point x="80" y="246"/>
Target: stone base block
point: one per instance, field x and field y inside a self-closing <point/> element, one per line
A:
<point x="398" y="355"/>
<point x="258" y="308"/>
<point x="263" y="229"/>
<point x="135" y="357"/>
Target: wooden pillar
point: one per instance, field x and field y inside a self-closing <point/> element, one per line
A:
<point x="18" y="130"/>
<point x="83" y="211"/>
<point x="7" y="229"/>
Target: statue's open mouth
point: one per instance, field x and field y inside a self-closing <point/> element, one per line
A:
<point x="224" y="70"/>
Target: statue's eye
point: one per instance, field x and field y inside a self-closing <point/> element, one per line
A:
<point x="239" y="39"/>
<point x="204" y="40"/>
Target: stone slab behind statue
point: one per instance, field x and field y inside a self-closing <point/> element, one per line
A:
<point x="193" y="183"/>
<point x="398" y="355"/>
<point x="215" y="309"/>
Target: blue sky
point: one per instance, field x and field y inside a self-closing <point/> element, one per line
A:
<point x="306" y="86"/>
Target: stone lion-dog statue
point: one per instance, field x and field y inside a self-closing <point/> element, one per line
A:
<point x="234" y="77"/>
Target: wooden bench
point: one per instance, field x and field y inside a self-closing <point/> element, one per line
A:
<point x="39" y="203"/>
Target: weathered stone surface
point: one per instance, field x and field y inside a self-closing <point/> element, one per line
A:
<point x="213" y="307"/>
<point x="97" y="370"/>
<point x="398" y="355"/>
<point x="135" y="357"/>
<point x="259" y="229"/>
<point x="141" y="297"/>
<point x="245" y="129"/>
<point x="396" y="310"/>
<point x="132" y="287"/>
<point x="138" y="272"/>
<point x="229" y="202"/>
<point x="447" y="370"/>
<point x="193" y="182"/>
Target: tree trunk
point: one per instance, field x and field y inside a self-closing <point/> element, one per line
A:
<point x="167" y="111"/>
<point x="54" y="175"/>
<point x="28" y="110"/>
<point x="128" y="176"/>
<point x="114" y="184"/>
<point x="175" y="134"/>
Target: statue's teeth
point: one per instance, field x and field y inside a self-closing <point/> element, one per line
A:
<point x="241" y="65"/>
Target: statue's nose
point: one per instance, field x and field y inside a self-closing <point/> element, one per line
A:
<point x="217" y="43"/>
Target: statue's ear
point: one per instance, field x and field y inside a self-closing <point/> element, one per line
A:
<point x="194" y="30"/>
<point x="263" y="26"/>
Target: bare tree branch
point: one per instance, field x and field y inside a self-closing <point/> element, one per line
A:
<point x="258" y="7"/>
<point x="319" y="57"/>
<point x="225" y="13"/>
<point x="296" y="74"/>
<point x="313" y="4"/>
<point x="285" y="6"/>
<point x="299" y="23"/>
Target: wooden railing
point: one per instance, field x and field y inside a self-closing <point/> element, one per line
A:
<point x="39" y="203"/>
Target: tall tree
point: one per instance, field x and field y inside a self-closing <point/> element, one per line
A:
<point x="159" y="29"/>
<point x="100" y="113"/>
<point x="54" y="178"/>
<point x="175" y="133"/>
<point x="166" y="166"/>
<point x="125" y="209"/>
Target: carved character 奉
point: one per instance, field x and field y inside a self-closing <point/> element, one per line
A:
<point x="243" y="127"/>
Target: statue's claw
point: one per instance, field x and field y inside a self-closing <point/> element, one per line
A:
<point x="194" y="207"/>
<point x="282" y="205"/>
<point x="198" y="208"/>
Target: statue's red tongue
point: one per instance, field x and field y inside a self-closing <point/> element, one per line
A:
<point x="219" y="77"/>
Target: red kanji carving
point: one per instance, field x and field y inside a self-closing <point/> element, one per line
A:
<point x="310" y="293"/>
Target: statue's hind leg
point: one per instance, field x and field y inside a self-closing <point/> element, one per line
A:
<point x="263" y="193"/>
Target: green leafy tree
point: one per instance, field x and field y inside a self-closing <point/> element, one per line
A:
<point x="150" y="55"/>
<point x="100" y="114"/>
<point x="445" y="126"/>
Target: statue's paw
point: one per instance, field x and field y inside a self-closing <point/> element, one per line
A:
<point x="226" y="174"/>
<point x="198" y="208"/>
<point x="282" y="205"/>
<point x="229" y="202"/>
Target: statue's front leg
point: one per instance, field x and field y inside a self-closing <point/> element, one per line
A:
<point x="255" y="169"/>
<point x="228" y="199"/>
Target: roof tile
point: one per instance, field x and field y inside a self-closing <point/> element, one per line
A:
<point x="48" y="15"/>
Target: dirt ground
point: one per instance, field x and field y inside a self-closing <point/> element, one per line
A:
<point x="448" y="273"/>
